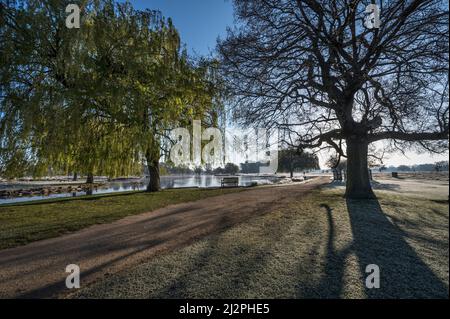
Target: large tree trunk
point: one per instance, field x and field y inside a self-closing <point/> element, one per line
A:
<point x="89" y="181"/>
<point x="154" y="184"/>
<point x="358" y="181"/>
<point x="291" y="165"/>
<point x="90" y="178"/>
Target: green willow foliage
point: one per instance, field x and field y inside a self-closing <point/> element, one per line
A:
<point x="98" y="99"/>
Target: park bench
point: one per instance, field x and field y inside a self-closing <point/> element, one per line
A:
<point x="229" y="181"/>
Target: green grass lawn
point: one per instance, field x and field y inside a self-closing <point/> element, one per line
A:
<point x="27" y="222"/>
<point x="317" y="247"/>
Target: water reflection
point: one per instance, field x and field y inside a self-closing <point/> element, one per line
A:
<point x="203" y="181"/>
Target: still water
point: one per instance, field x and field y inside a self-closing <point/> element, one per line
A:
<point x="203" y="181"/>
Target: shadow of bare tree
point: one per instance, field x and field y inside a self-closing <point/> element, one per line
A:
<point x="377" y="240"/>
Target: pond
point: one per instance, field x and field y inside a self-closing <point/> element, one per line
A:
<point x="203" y="181"/>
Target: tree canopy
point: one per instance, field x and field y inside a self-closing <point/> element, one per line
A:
<point x="290" y="160"/>
<point x="98" y="99"/>
<point x="313" y="67"/>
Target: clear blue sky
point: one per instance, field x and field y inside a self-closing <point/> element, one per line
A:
<point x="199" y="22"/>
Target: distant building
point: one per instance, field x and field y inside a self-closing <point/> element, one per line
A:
<point x="251" y="167"/>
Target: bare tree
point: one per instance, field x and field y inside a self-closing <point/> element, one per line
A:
<point x="340" y="82"/>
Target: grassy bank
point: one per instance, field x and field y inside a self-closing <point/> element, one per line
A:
<point x="31" y="221"/>
<point x="317" y="247"/>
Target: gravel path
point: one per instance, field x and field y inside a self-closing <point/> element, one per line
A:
<point x="37" y="270"/>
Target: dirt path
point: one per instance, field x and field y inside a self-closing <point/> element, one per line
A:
<point x="37" y="270"/>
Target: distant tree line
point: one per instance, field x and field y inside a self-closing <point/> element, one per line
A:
<point x="441" y="166"/>
<point x="289" y="160"/>
<point x="169" y="169"/>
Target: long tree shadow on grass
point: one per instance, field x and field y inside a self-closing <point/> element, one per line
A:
<point x="376" y="240"/>
<point x="331" y="284"/>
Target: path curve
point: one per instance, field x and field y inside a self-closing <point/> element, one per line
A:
<point x="37" y="270"/>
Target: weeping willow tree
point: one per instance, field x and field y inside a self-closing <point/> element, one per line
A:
<point x="160" y="87"/>
<point x="98" y="99"/>
<point x="38" y="86"/>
